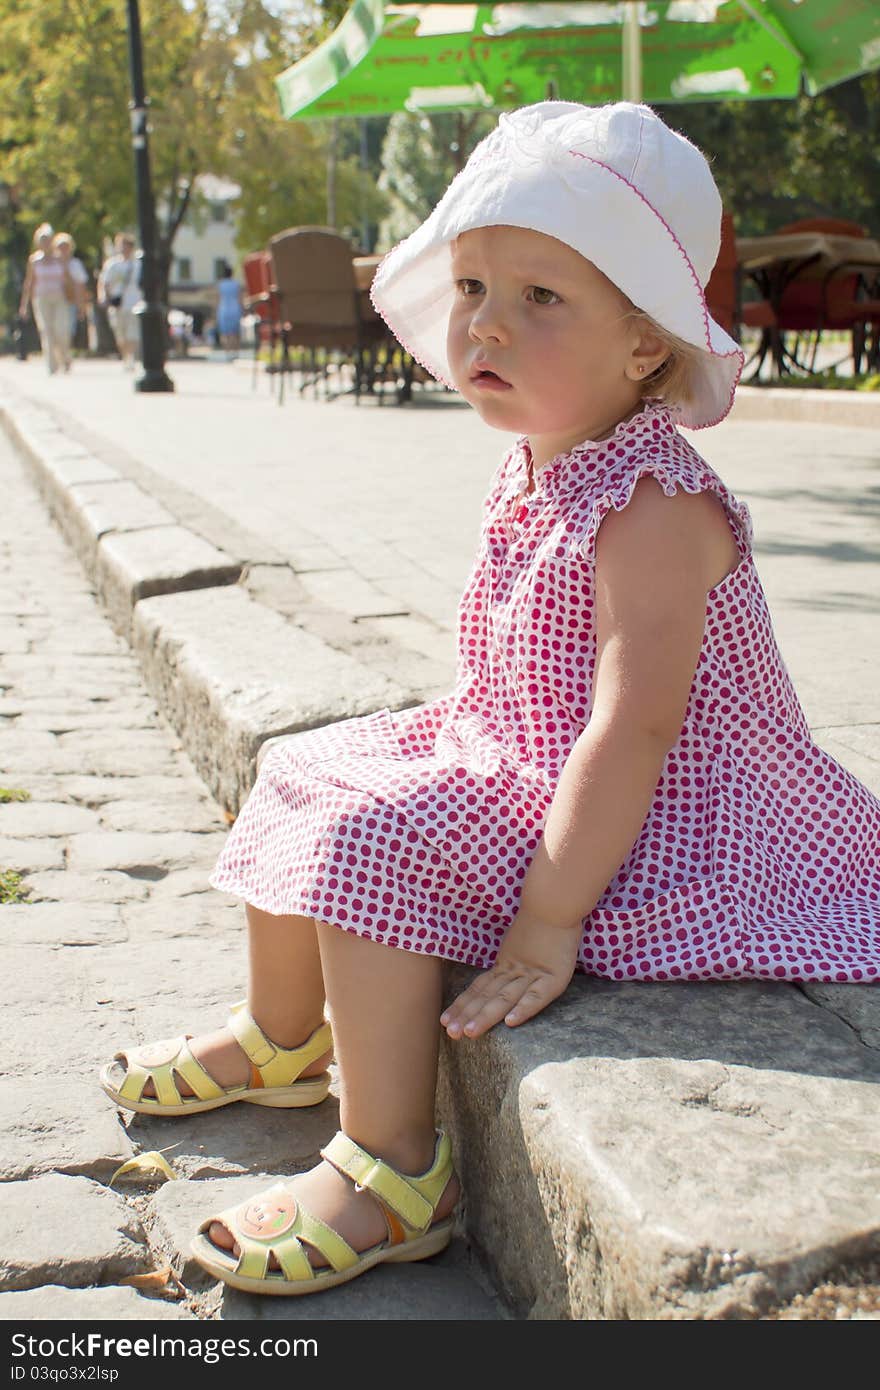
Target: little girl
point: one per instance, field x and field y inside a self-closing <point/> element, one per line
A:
<point x="622" y="781"/>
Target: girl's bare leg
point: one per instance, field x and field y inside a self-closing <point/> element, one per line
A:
<point x="384" y="1006"/>
<point x="285" y="997"/>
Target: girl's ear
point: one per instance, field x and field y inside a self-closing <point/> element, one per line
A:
<point x="648" y="353"/>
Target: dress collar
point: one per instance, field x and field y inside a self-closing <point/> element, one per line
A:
<point x="588" y="459"/>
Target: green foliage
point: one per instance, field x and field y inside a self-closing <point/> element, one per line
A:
<point x="13" y="794"/>
<point x="282" y="168"/>
<point x="11" y="889"/>
<point x="420" y="156"/>
<point x="209" y="68"/>
<point x="778" y="161"/>
<point x="830" y="381"/>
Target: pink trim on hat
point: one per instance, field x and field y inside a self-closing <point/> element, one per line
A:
<point x="696" y="279"/>
<point x="723" y="416"/>
<point x="687" y="260"/>
<point x="396" y="336"/>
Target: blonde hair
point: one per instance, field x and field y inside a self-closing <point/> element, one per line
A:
<point x="44" y="230"/>
<point x="64" y="239"/>
<point x="672" y="381"/>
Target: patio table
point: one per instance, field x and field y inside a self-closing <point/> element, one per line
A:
<point x="773" y="261"/>
<point x="365" y="269"/>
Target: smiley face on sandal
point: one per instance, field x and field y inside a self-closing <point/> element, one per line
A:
<point x="158" y="1053"/>
<point x="269" y="1215"/>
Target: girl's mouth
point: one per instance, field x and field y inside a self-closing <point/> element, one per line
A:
<point x="486" y="380"/>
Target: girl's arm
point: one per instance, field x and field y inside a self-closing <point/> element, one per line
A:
<point x="654" y="567"/>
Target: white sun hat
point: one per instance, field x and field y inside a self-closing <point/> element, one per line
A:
<point x="613" y="182"/>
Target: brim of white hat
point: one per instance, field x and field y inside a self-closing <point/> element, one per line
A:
<point x="629" y="242"/>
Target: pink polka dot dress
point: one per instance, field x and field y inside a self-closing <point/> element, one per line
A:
<point x="760" y="854"/>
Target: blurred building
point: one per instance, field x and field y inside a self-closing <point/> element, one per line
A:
<point x="204" y="243"/>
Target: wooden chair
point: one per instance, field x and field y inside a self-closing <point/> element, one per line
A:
<point x="862" y="317"/>
<point x="835" y="226"/>
<point x="723" y="289"/>
<point x="313" y="277"/>
<point x="724" y="295"/>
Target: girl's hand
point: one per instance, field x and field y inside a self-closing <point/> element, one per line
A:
<point x="533" y="967"/>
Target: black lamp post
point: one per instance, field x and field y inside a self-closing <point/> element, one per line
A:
<point x="154" y="376"/>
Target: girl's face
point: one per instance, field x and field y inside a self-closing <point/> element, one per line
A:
<point x="539" y="341"/>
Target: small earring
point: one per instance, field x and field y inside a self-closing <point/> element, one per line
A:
<point x="641" y="369"/>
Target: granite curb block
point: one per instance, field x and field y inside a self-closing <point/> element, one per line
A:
<point x="230" y="674"/>
<point x="675" y="1170"/>
<point x="805" y="406"/>
<point x="156" y="560"/>
<point x="129" y="545"/>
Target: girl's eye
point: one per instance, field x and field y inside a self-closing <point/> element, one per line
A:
<point x="539" y="295"/>
<point x="468" y="287"/>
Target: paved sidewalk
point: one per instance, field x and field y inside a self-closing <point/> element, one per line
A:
<point x="121" y="940"/>
<point x="273" y="568"/>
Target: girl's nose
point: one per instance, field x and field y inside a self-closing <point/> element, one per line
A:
<point x="487" y="322"/>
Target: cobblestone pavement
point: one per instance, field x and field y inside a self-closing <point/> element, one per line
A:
<point x="120" y="939"/>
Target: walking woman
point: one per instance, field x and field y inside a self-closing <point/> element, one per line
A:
<point x="119" y="288"/>
<point x="49" y="288"/>
<point x="229" y="307"/>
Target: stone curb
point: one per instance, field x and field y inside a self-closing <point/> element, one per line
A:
<point x="713" y="1161"/>
<point x="230" y="674"/>
<point x="129" y="545"/>
<point x="644" y="1180"/>
<point x="857" y="408"/>
<point x="211" y="654"/>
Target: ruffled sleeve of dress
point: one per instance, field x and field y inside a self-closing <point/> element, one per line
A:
<point x="650" y="446"/>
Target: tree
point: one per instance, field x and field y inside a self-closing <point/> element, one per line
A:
<point x="281" y="167"/>
<point x="65" y="145"/>
<point x="63" y="95"/>
<point x="420" y="156"/>
<point x="834" y="146"/>
<point x="777" y="161"/>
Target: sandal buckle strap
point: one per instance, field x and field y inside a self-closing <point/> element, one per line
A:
<point x="392" y="1187"/>
<point x="250" y="1036"/>
<point x="279" y="1066"/>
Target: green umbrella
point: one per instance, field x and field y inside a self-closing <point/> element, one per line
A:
<point x="457" y="56"/>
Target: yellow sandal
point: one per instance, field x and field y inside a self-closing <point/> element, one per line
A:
<point x="273" y="1081"/>
<point x="275" y="1223"/>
